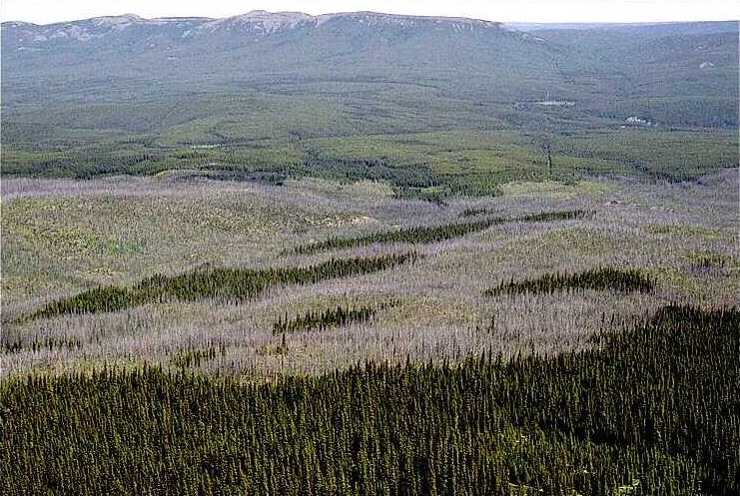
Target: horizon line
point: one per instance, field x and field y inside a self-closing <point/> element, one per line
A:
<point x="519" y="22"/>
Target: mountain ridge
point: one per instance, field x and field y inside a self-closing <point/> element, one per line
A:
<point x="667" y="73"/>
<point x="290" y="18"/>
<point x="296" y="16"/>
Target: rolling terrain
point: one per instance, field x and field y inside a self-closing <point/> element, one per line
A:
<point x="434" y="106"/>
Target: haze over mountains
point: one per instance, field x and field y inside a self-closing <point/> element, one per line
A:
<point x="130" y="58"/>
<point x="237" y="53"/>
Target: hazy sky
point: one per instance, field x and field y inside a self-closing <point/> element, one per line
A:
<point x="47" y="11"/>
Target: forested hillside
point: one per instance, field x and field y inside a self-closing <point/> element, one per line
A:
<point x="270" y="96"/>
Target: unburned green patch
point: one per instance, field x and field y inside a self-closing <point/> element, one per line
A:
<point x="332" y="317"/>
<point x="228" y="284"/>
<point x="193" y="357"/>
<point x="599" y="279"/>
<point x="433" y="234"/>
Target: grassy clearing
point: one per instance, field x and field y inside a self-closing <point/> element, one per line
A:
<point x="74" y="236"/>
<point x="556" y="190"/>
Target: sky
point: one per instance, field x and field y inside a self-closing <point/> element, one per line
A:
<point x="49" y="11"/>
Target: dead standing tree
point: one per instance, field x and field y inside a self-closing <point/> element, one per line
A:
<point x="545" y="147"/>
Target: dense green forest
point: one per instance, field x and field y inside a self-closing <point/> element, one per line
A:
<point x="426" y="165"/>
<point x="643" y="412"/>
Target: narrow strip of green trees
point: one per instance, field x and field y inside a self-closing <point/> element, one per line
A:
<point x="332" y="317"/>
<point x="39" y="344"/>
<point x="599" y="278"/>
<point x="193" y="357"/>
<point x="229" y="284"/>
<point x="540" y="217"/>
<point x="431" y="234"/>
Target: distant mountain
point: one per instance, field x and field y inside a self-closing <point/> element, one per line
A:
<point x="665" y="28"/>
<point x="258" y="22"/>
<point x="655" y="72"/>
<point x="260" y="48"/>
